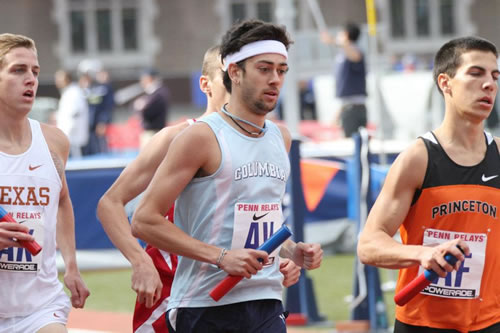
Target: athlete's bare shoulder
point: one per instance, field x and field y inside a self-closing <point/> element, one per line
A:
<point x="415" y="154"/>
<point x="411" y="165"/>
<point x="204" y="151"/>
<point x="168" y="133"/>
<point x="198" y="136"/>
<point x="497" y="140"/>
<point x="157" y="148"/>
<point x="58" y="146"/>
<point x="287" y="138"/>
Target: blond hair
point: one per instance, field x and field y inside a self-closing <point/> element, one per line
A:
<point x="12" y="41"/>
<point x="211" y="62"/>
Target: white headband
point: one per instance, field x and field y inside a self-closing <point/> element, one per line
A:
<point x="255" y="48"/>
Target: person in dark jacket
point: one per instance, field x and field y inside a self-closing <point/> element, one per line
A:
<point x="153" y="105"/>
<point x="350" y="79"/>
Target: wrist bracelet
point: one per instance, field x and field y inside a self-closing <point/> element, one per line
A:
<point x="221" y="256"/>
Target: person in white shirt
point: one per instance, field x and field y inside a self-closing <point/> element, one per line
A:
<point x="72" y="113"/>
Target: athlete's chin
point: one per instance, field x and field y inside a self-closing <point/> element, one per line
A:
<point x="265" y="108"/>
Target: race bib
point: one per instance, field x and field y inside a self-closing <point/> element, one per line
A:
<point x="466" y="282"/>
<point x="254" y="224"/>
<point x="19" y="259"/>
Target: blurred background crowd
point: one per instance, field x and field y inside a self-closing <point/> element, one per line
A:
<point x="116" y="71"/>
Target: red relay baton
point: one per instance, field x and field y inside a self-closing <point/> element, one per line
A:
<point x="32" y="246"/>
<point x="420" y="282"/>
<point x="269" y="246"/>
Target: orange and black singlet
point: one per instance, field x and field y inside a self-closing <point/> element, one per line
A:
<point x="456" y="202"/>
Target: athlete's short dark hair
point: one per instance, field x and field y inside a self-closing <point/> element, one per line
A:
<point x="449" y="56"/>
<point x="248" y="32"/>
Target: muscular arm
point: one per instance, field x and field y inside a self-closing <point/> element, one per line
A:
<point x="376" y="245"/>
<point x="65" y="228"/>
<point x="111" y="213"/>
<point x="172" y="176"/>
<point x="132" y="181"/>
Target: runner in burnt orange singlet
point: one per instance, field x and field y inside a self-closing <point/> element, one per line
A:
<point x="444" y="192"/>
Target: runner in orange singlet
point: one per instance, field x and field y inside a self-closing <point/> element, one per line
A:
<point x="444" y="192"/>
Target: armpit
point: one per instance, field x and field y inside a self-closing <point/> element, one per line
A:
<point x="59" y="164"/>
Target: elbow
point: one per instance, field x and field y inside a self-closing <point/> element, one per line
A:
<point x="101" y="206"/>
<point x="363" y="252"/>
<point x="138" y="226"/>
<point x="362" y="255"/>
<point x="106" y="213"/>
<point x="136" y="229"/>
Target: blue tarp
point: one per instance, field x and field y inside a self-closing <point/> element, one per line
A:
<point x="86" y="187"/>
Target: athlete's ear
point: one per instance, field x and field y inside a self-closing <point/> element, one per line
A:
<point x="205" y="85"/>
<point x="444" y="83"/>
<point x="234" y="73"/>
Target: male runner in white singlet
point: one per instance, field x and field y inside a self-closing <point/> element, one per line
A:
<point x="229" y="189"/>
<point x="33" y="190"/>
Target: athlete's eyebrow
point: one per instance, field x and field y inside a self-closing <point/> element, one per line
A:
<point x="281" y="65"/>
<point x="494" y="72"/>
<point x="268" y="62"/>
<point x="24" y="66"/>
<point x="477" y="67"/>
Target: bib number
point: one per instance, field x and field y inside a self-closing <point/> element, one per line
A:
<point x="466" y="282"/>
<point x="254" y="224"/>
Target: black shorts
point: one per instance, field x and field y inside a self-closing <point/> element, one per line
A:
<point x="262" y="316"/>
<point x="353" y="116"/>
<point x="400" y="327"/>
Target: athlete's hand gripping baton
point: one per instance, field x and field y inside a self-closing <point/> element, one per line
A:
<point x="269" y="246"/>
<point x="31" y="246"/>
<point x="420" y="282"/>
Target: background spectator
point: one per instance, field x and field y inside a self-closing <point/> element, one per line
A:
<point x="350" y="79"/>
<point x="100" y="98"/>
<point x="153" y="105"/>
<point x="73" y="113"/>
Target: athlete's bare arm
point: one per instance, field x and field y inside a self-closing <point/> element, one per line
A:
<point x="111" y="212"/>
<point x="174" y="173"/>
<point x="376" y="245"/>
<point x="65" y="229"/>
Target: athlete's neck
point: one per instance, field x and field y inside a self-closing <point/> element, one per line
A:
<point x="247" y="126"/>
<point x="15" y="135"/>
